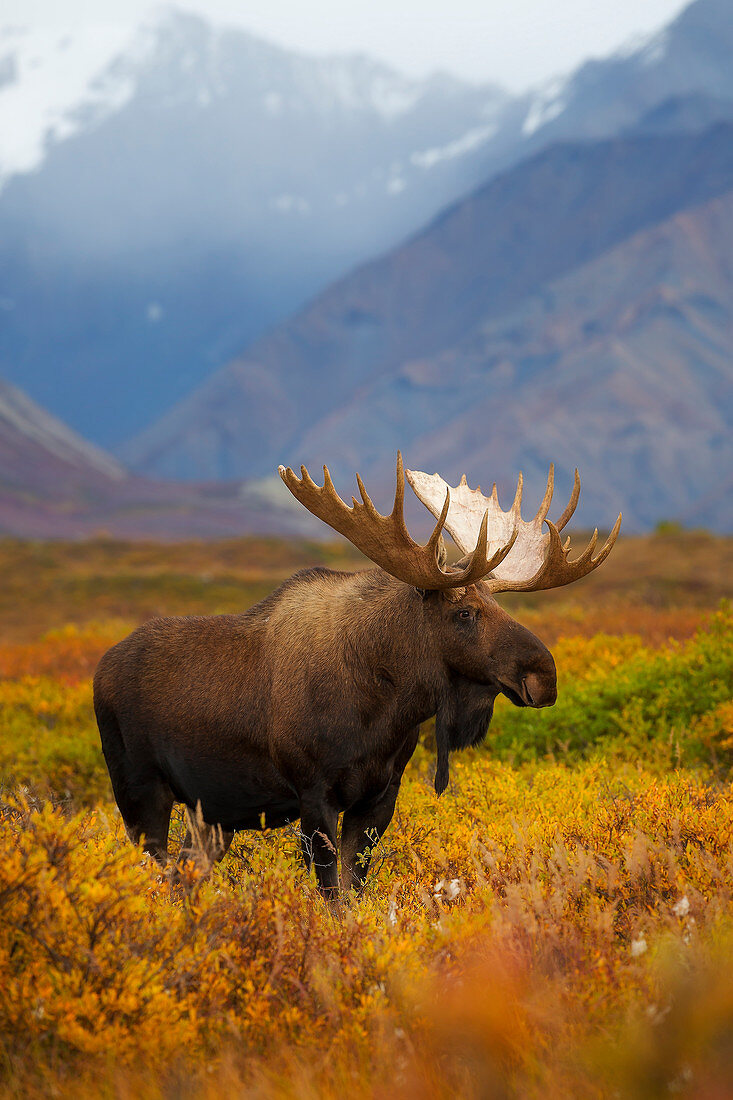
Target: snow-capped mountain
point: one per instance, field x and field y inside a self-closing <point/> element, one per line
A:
<point x="689" y="57"/>
<point x="169" y="196"/>
<point x="54" y="85"/>
<point x="585" y="291"/>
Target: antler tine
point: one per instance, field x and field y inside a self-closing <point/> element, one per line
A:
<point x="438" y="529"/>
<point x="328" y="486"/>
<point x="547" y="498"/>
<point x="516" y="508"/>
<point x="305" y="476"/>
<point x="588" y="552"/>
<point x="609" y="543"/>
<point x="385" y="539"/>
<point x="398" y="508"/>
<point x="483" y="534"/>
<point x="498" y="557"/>
<point x="572" y="503"/>
<point x="367" y="505"/>
<point x="479" y="563"/>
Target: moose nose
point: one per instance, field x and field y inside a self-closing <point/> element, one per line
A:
<point x="539" y="689"/>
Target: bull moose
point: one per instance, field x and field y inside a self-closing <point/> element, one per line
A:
<point x="308" y="705"/>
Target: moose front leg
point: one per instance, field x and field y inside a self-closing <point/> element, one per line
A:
<point x="362" y="828"/>
<point x="318" y="839"/>
<point x="364" y="823"/>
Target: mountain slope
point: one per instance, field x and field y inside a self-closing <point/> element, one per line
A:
<point x="40" y="454"/>
<point x="623" y="367"/>
<point x="335" y="384"/>
<point x="55" y="484"/>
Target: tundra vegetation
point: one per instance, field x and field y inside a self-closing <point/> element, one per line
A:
<point x="559" y="923"/>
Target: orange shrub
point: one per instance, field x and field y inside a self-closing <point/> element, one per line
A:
<point x="69" y="654"/>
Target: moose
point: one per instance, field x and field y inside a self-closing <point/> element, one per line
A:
<point x="308" y="705"/>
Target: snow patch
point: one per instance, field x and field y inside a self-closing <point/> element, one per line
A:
<point x="655" y="49"/>
<point x="392" y="97"/>
<point x="648" y="48"/>
<point x="548" y="103"/>
<point x="290" y="204"/>
<point x="356" y="84"/>
<point x="58" y="83"/>
<point x="428" y="158"/>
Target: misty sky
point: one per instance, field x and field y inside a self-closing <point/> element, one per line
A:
<point x="514" y="42"/>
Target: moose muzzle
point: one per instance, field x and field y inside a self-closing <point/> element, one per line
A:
<point x="539" y="689"/>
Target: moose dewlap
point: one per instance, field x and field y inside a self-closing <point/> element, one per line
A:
<point x="309" y="704"/>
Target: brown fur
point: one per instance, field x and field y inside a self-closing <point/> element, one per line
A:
<point x="306" y="706"/>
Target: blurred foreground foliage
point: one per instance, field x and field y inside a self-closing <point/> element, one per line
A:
<point x="559" y="924"/>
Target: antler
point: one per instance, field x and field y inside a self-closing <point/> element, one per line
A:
<point x="386" y="540"/>
<point x="538" y="560"/>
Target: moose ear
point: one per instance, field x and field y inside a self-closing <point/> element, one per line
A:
<point x="435" y="594"/>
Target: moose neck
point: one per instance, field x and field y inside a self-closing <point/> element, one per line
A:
<point x="386" y="627"/>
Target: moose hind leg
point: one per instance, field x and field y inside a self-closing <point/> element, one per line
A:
<point x="147" y="815"/>
<point x="144" y="800"/>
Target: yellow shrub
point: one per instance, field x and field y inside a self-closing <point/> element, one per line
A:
<point x="522" y="911"/>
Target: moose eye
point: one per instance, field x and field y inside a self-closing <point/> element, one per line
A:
<point x="464" y="613"/>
